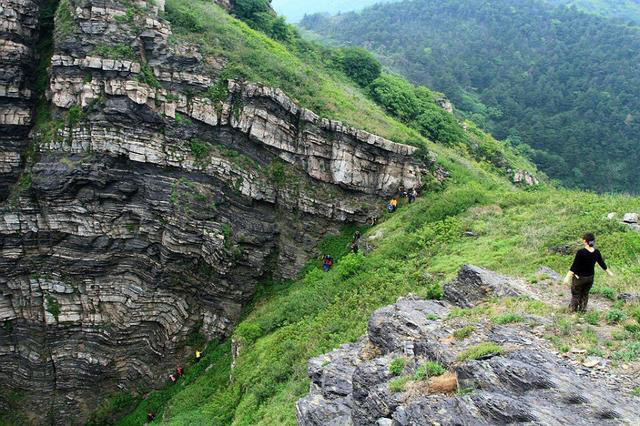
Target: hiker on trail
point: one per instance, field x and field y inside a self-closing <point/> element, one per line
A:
<point x="372" y="221"/>
<point x="198" y="356"/>
<point x="413" y="194"/>
<point x="179" y="371"/>
<point x="582" y="272"/>
<point x="327" y="263"/>
<point x="173" y="378"/>
<point x="150" y="417"/>
<point x="393" y="205"/>
<point x="355" y="244"/>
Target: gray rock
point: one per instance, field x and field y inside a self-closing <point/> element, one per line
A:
<point x="526" y="385"/>
<point x="474" y="284"/>
<point x="630" y="218"/>
<point x="546" y="271"/>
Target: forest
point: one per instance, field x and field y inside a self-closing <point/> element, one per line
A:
<point x="558" y="84"/>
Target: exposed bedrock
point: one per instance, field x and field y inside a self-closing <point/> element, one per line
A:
<point x="149" y="210"/>
<point x="521" y="382"/>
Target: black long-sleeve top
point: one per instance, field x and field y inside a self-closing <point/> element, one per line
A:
<point x="584" y="264"/>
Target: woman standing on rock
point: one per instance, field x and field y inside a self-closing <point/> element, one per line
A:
<point x="582" y="272"/>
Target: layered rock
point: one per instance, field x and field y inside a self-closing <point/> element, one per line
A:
<point x="19" y="23"/>
<point x="152" y="208"/>
<point x="516" y="381"/>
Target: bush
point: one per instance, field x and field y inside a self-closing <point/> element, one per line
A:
<point x="429" y="369"/>
<point x="480" y="351"/>
<point x="398" y="384"/>
<point x="614" y="316"/>
<point x="464" y="332"/>
<point x="360" y="65"/>
<point x="200" y="149"/>
<point x="397" y="366"/>
<point x="592" y="317"/>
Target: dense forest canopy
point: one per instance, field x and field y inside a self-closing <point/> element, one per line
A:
<point x="561" y="85"/>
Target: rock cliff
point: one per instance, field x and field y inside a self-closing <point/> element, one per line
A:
<point x="150" y="198"/>
<point x="493" y="374"/>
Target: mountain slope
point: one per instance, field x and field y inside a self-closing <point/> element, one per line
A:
<point x="562" y="82"/>
<point x="295" y="10"/>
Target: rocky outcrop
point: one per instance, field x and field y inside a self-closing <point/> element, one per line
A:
<point x="523" y="177"/>
<point x="475" y="284"/>
<point x="155" y="200"/>
<point x="514" y="380"/>
<point x="19" y="23"/>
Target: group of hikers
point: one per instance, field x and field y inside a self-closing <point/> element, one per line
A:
<point x="410" y="196"/>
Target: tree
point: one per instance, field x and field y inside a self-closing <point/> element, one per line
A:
<point x="360" y="65"/>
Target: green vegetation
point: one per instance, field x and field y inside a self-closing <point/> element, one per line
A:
<point x="507" y="318"/>
<point x="113" y="408"/>
<point x="623" y="10"/>
<point x="399" y="384"/>
<point x="201" y="150"/>
<point x="359" y="64"/>
<point x="148" y="77"/>
<point x="64" y="21"/>
<point x="117" y="51"/>
<point x="636" y="391"/>
<point x="397" y="366"/>
<point x="480" y="351"/>
<point x="12" y="415"/>
<point x="614" y="316"/>
<point x="429" y="369"/>
<point x="555" y="83"/>
<point x="52" y="306"/>
<point x="464" y="332"/>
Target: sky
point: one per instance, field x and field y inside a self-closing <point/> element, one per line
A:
<point x="294" y="10"/>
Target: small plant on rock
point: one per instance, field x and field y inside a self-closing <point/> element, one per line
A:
<point x="464" y="332"/>
<point x="507" y="318"/>
<point x="398" y="384"/>
<point x="481" y="351"/>
<point x="429" y="369"/>
<point x="397" y="366"/>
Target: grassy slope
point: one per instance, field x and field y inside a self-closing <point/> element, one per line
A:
<point x="422" y="247"/>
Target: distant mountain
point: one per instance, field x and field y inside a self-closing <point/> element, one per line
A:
<point x="625" y="10"/>
<point x="563" y="82"/>
<point x="294" y="10"/>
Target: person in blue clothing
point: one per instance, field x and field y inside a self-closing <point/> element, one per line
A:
<point x="327" y="263"/>
<point x="582" y="272"/>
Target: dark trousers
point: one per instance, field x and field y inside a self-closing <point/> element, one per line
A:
<point x="580" y="288"/>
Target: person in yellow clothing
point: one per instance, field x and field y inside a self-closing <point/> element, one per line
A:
<point x="393" y="205"/>
<point x="198" y="356"/>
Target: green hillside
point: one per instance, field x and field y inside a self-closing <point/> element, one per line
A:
<point x="417" y="249"/>
<point x="559" y="81"/>
<point x="623" y="10"/>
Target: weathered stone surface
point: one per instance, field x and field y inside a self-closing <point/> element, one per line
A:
<point x="152" y="216"/>
<point x="475" y="284"/>
<point x="527" y="384"/>
<point x="525" y="178"/>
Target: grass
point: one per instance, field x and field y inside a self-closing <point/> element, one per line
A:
<point x="480" y="351"/>
<point x="398" y="384"/>
<point x="508" y="318"/>
<point x="464" y="332"/>
<point x="397" y="366"/>
<point x="429" y="369"/>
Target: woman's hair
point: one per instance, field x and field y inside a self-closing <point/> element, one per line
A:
<point x="589" y="238"/>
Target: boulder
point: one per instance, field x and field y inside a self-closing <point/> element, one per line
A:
<point x="630" y="218"/>
<point x="474" y="284"/>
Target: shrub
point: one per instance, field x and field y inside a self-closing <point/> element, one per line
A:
<point x="464" y="332"/>
<point x="397" y="366"/>
<point x="200" y="149"/>
<point x="53" y="306"/>
<point x="507" y="318"/>
<point x="630" y="353"/>
<point x="429" y="369"/>
<point x="636" y="391"/>
<point x="614" y="316"/>
<point x="64" y="20"/>
<point x="636" y="314"/>
<point x="183" y="20"/>
<point x="480" y="351"/>
<point x="609" y="293"/>
<point x="148" y="77"/>
<point x="398" y="384"/>
<point x="360" y="65"/>
<point x="592" y="317"/>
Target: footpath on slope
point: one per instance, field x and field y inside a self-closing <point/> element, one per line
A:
<point x="417" y="365"/>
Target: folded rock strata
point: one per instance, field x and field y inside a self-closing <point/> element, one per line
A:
<point x="144" y="214"/>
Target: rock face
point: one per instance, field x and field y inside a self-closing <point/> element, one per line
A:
<point x="525" y="383"/>
<point x="146" y="210"/>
